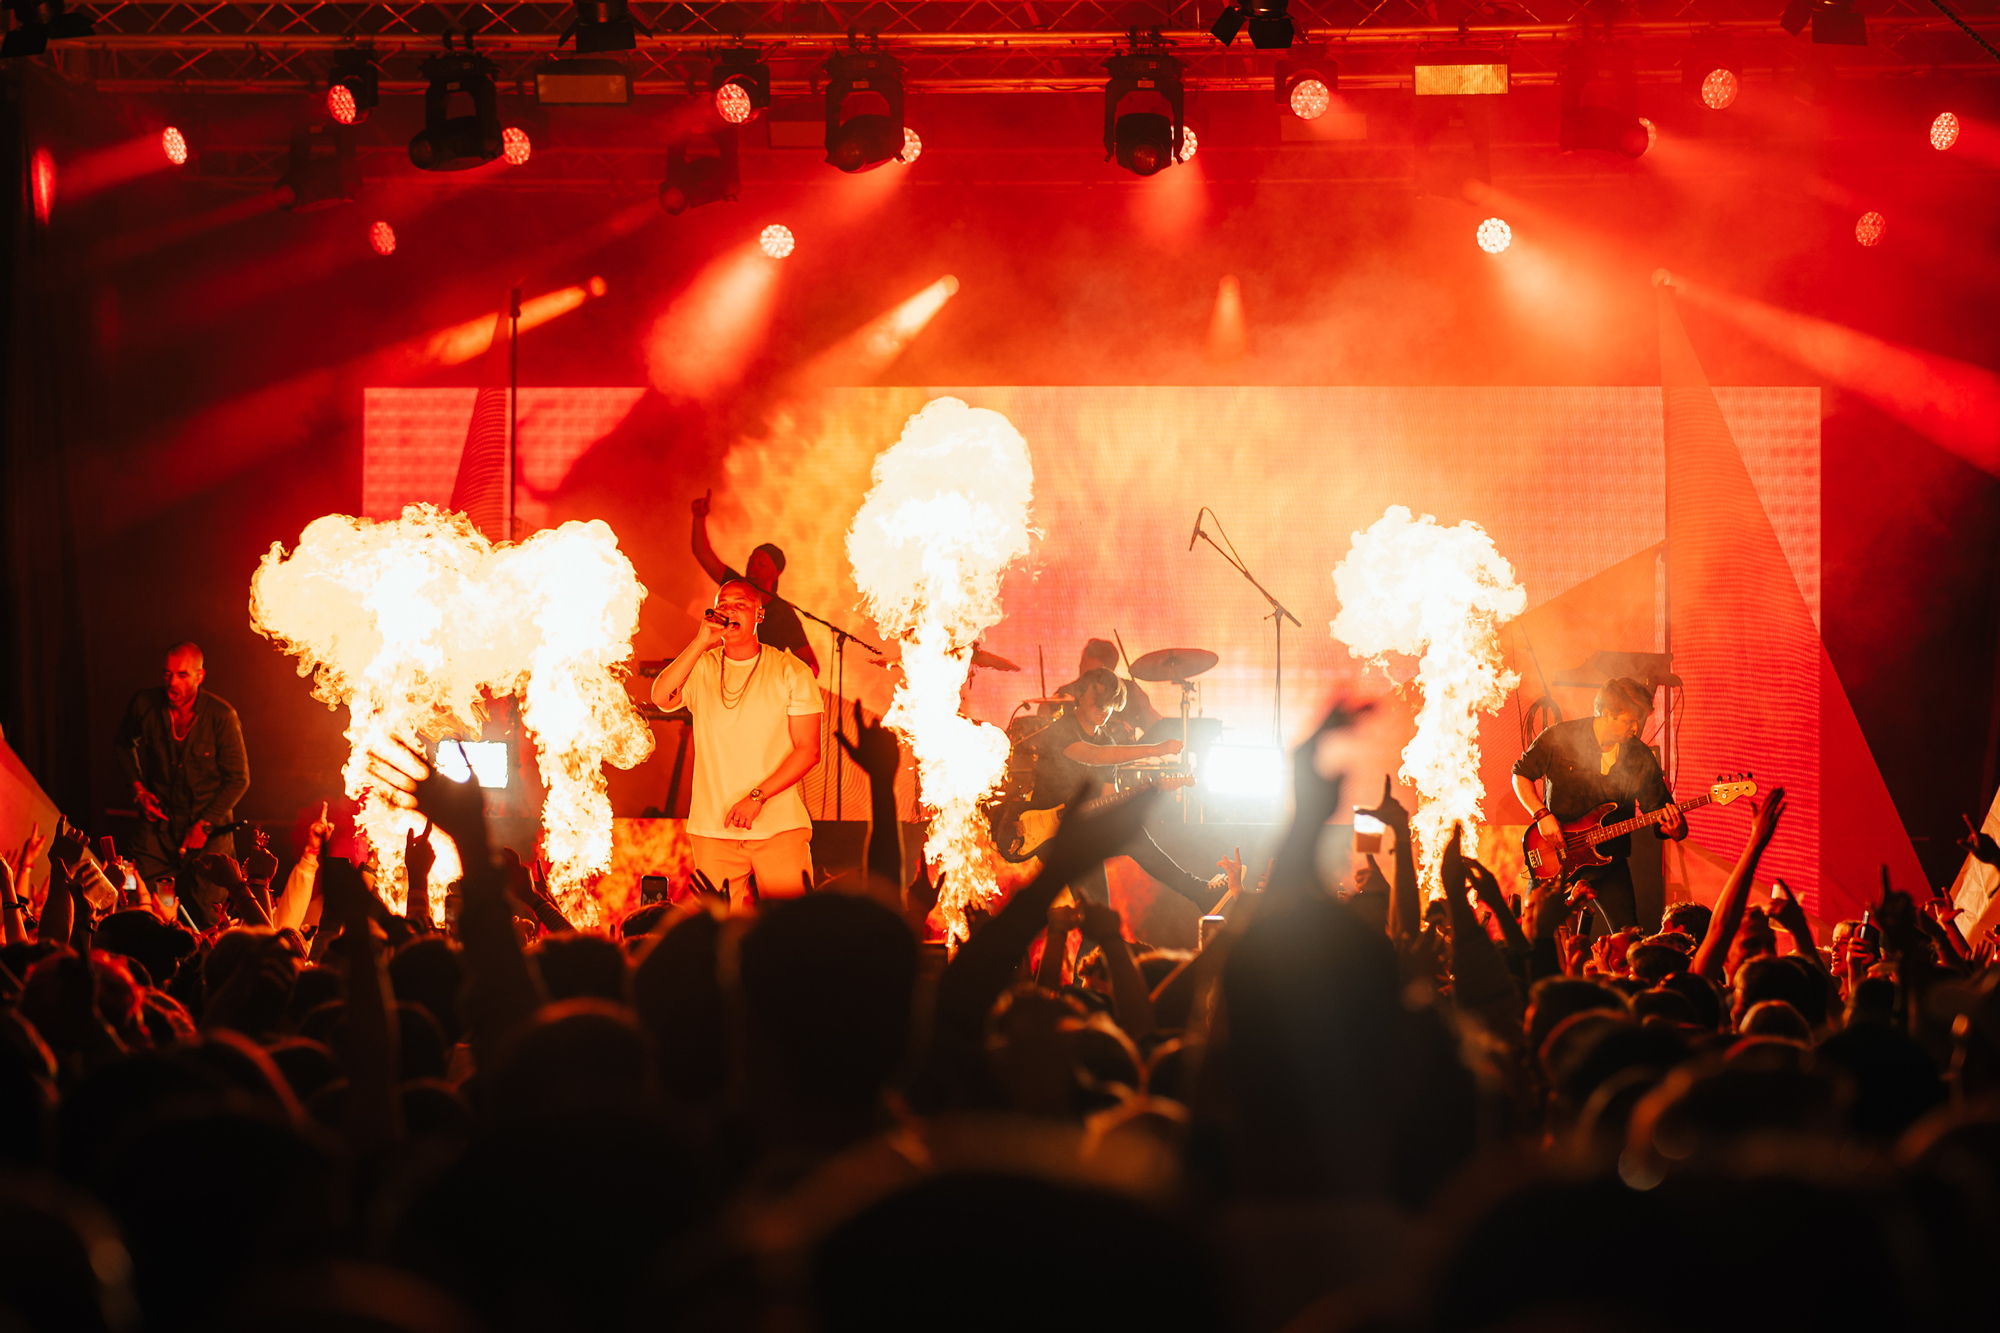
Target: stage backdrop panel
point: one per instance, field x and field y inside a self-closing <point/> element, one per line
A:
<point x="1570" y="482"/>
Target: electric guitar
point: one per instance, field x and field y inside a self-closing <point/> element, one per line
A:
<point x="1021" y="836"/>
<point x="1580" y="837"/>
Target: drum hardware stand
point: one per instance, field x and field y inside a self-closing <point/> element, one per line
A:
<point x="841" y="638"/>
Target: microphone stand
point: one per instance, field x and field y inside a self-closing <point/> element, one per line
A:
<point x="1278" y="616"/>
<point x="841" y="638"/>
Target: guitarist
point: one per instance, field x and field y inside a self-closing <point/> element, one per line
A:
<point x="1588" y="761"/>
<point x="1072" y="763"/>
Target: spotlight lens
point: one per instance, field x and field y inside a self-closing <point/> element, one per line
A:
<point x="175" y="145"/>
<point x="1869" y="229"/>
<point x="1944" y="131"/>
<point x="1494" y="236"/>
<point x="732" y="103"/>
<point x="913" y="147"/>
<point x="514" y="145"/>
<point x="1188" y="143"/>
<point x="382" y="238"/>
<point x="1652" y="133"/>
<point x="42" y="184"/>
<point x="1310" y="99"/>
<point x="1719" y="89"/>
<point x="340" y="105"/>
<point x="776" y="240"/>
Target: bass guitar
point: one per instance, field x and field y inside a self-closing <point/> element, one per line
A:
<point x="1021" y="838"/>
<point x="1548" y="859"/>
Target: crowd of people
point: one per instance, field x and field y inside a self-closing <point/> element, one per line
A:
<point x="1345" y="1111"/>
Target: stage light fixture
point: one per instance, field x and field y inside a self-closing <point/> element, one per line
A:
<point x="701" y="169"/>
<point x="740" y="83"/>
<point x="1652" y="132"/>
<point x="1944" y="131"/>
<point x="456" y="143"/>
<point x="36" y="23"/>
<point x="1596" y="90"/>
<point x="1868" y="230"/>
<point x="382" y="238"/>
<point x="1305" y="88"/>
<point x="1144" y="142"/>
<point x="321" y="170"/>
<point x="1309" y="99"/>
<point x="1833" y="22"/>
<point x="354" y="86"/>
<point x="913" y="147"/>
<point x="1719" y="88"/>
<point x="863" y="140"/>
<point x="1494" y="235"/>
<point x="1710" y="74"/>
<point x="777" y="241"/>
<point x="1460" y="73"/>
<point x="603" y="25"/>
<point x="174" y="146"/>
<point x="1188" y="144"/>
<point x="1269" y="24"/>
<point x="515" y="146"/>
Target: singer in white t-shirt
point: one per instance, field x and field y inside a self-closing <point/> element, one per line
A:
<point x="756" y="734"/>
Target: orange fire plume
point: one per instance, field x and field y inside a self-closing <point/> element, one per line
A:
<point x="411" y="624"/>
<point x="946" y="516"/>
<point x="1414" y="588"/>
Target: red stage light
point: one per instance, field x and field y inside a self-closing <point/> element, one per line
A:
<point x="1494" y="236"/>
<point x="913" y="147"/>
<point x="1652" y="133"/>
<point x="1188" y="143"/>
<point x="42" y="184"/>
<point x="1944" y="131"/>
<point x="175" y="145"/>
<point x="514" y="145"/>
<point x="776" y="240"/>
<point x="382" y="238"/>
<point x="1869" y="229"/>
<point x="1310" y="99"/>
<point x="1719" y="89"/>
<point x="340" y="105"/>
<point x="732" y="103"/>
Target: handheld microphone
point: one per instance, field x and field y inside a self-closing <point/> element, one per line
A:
<point x="716" y="617"/>
<point x="1195" y="536"/>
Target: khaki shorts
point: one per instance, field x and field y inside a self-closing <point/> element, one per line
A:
<point x="781" y="864"/>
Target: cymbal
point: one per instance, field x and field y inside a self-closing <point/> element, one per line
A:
<point x="1173" y="664"/>
<point x="992" y="661"/>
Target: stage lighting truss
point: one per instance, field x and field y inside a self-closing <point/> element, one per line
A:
<point x="740" y="84"/>
<point x="450" y="142"/>
<point x="1144" y="142"/>
<point x="603" y="25"/>
<point x="863" y="139"/>
<point x="701" y="169"/>
<point x="1269" y="21"/>
<point x="1599" y="102"/>
<point x="354" y="86"/>
<point x="321" y="170"/>
<point x="1833" y="22"/>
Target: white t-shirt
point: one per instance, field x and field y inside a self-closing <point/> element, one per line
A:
<point x="737" y="748"/>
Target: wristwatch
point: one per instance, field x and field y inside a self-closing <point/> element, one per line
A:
<point x="757" y="795"/>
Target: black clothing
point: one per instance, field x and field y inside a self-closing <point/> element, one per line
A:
<point x="782" y="627"/>
<point x="201" y="777"/>
<point x="1565" y="758"/>
<point x="1060" y="780"/>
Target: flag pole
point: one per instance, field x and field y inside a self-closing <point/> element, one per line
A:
<point x="507" y="532"/>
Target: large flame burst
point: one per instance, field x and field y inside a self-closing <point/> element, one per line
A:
<point x="1416" y="588"/>
<point x="412" y="624"/>
<point x="948" y="512"/>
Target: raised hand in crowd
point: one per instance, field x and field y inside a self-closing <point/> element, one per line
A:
<point x="1315" y="800"/>
<point x="1978" y="843"/>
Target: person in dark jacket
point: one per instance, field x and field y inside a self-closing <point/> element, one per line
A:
<point x="182" y="750"/>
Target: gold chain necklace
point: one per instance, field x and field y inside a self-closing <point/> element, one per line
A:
<point x="722" y="680"/>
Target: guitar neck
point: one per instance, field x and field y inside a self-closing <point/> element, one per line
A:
<point x="1096" y="803"/>
<point x="1607" y="832"/>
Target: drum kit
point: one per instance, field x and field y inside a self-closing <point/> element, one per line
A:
<point x="1167" y="666"/>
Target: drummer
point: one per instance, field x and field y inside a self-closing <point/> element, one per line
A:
<point x="1136" y="717"/>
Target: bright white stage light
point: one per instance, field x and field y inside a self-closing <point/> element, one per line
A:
<point x="485" y="761"/>
<point x="1245" y="773"/>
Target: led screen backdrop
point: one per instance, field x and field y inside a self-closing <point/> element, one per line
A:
<point x="1570" y="482"/>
